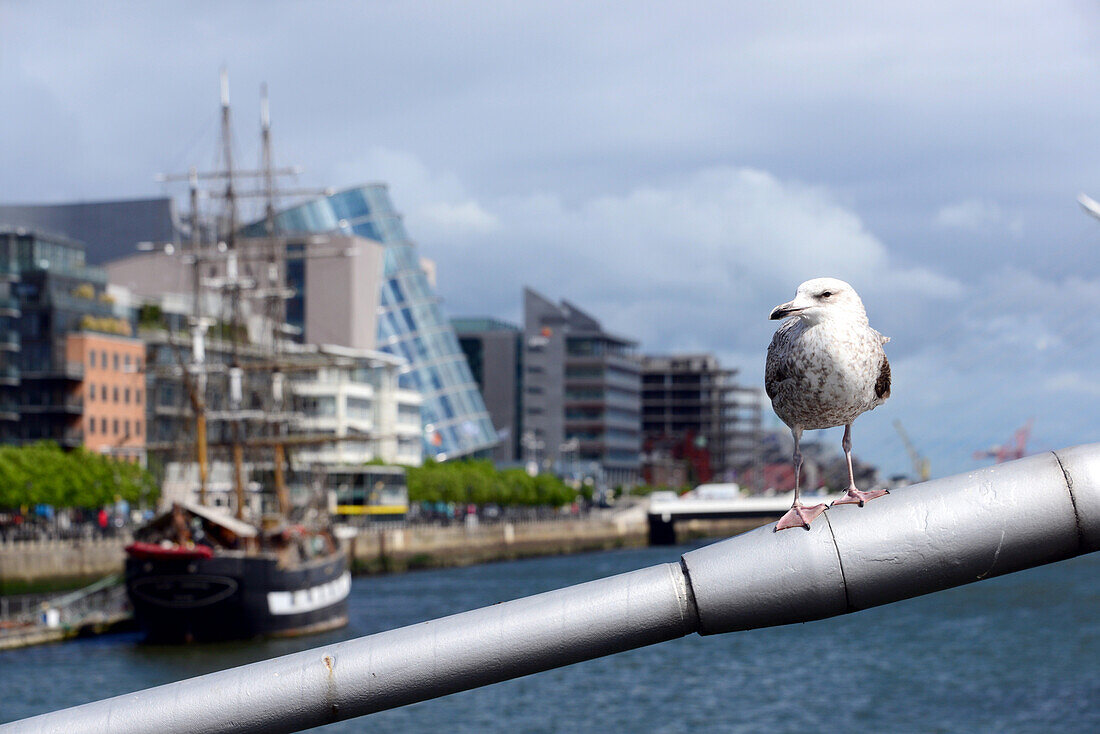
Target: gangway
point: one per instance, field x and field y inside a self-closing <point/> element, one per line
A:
<point x="99" y="606"/>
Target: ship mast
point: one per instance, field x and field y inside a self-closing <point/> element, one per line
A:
<point x="232" y="280"/>
<point x="197" y="391"/>
<point x="275" y="269"/>
<point x="237" y="260"/>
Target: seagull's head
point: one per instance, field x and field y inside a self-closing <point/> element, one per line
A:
<point x="821" y="299"/>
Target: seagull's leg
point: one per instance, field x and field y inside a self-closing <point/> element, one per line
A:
<point x="798" y="516"/>
<point x="854" y="496"/>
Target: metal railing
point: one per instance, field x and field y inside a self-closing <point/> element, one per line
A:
<point x="919" y="539"/>
<point x="104" y="599"/>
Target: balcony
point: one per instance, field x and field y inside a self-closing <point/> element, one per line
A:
<point x="9" y="342"/>
<point x="68" y="406"/>
<point x="9" y="307"/>
<point x="64" y="371"/>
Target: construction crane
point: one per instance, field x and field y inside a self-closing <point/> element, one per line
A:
<point x="921" y="465"/>
<point x="1015" y="449"/>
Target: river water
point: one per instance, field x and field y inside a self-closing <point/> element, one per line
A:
<point x="1019" y="653"/>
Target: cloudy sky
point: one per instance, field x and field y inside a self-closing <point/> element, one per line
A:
<point x="674" y="168"/>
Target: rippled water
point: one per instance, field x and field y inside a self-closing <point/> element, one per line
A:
<point x="1019" y="653"/>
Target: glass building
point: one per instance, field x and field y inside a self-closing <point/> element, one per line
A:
<point x="410" y="321"/>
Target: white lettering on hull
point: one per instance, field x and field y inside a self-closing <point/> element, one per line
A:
<point x="308" y="600"/>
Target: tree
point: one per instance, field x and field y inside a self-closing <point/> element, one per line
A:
<point x="42" y="473"/>
<point x="478" y="482"/>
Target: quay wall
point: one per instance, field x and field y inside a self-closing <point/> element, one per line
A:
<point x="399" y="549"/>
<point x="32" y="566"/>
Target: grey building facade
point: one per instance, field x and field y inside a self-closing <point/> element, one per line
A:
<point x="336" y="281"/>
<point x="581" y="400"/>
<point x="108" y="229"/>
<point x="699" y="423"/>
<point x="494" y="351"/>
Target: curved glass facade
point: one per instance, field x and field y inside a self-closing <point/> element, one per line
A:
<point x="410" y="321"/>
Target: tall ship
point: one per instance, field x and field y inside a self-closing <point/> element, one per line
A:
<point x="246" y="546"/>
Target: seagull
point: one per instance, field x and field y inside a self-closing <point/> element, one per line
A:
<point x="825" y="367"/>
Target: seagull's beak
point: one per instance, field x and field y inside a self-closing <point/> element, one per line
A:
<point x="784" y="310"/>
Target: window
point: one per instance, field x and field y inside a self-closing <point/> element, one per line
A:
<point x="126" y="428"/>
<point x="137" y="427"/>
<point x="137" y="396"/>
<point x="359" y="408"/>
<point x="103" y="358"/>
<point x="114" y="427"/>
<point x="91" y="425"/>
<point x="91" y="358"/>
<point x="103" y="393"/>
<point x="319" y="406"/>
<point x="103" y="425"/>
<point x="114" y="394"/>
<point x="91" y="390"/>
<point x="126" y="396"/>
<point x="115" y="360"/>
<point x="126" y="362"/>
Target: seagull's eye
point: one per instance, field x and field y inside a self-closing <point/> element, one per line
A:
<point x="826" y="294"/>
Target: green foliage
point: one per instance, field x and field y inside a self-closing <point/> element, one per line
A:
<point x="42" y="473"/>
<point x="478" y="482"/>
<point x="150" y="316"/>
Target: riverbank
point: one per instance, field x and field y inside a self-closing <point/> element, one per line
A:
<point x="58" y="565"/>
<point x="11" y="639"/>
<point x="381" y="551"/>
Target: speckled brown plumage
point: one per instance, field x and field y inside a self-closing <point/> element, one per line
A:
<point x="826" y="374"/>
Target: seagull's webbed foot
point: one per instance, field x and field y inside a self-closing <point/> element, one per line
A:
<point x="799" y="516"/>
<point x="855" y="497"/>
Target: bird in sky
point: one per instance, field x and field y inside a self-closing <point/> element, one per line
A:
<point x="826" y="366"/>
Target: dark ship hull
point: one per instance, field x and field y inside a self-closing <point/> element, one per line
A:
<point x="181" y="596"/>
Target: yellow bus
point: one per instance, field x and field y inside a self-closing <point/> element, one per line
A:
<point x="369" y="493"/>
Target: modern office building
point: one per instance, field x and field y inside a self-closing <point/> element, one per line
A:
<point x="699" y="425"/>
<point x="410" y="322"/>
<point x="56" y="318"/>
<point x="10" y="342"/>
<point x="494" y="351"/>
<point x="581" y="394"/>
<point x="363" y="405"/>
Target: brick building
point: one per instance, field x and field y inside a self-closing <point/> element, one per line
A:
<point x="112" y="392"/>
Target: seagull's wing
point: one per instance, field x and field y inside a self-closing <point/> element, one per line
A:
<point x="883" y="339"/>
<point x="882" y="384"/>
<point x="780" y="367"/>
